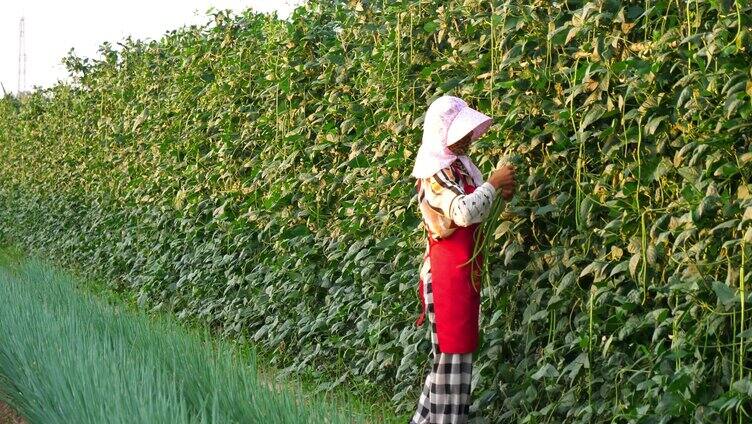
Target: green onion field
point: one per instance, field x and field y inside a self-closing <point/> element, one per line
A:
<point x="66" y="357"/>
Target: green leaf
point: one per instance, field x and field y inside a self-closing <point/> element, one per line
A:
<point x="510" y="251"/>
<point x="387" y="242"/>
<point x="595" y="112"/>
<point x="620" y="267"/>
<point x="430" y="27"/>
<point x="592" y="268"/>
<point x="633" y="263"/>
<point x="724" y="293"/>
<point x="546" y="371"/>
<point x="653" y="124"/>
<point x="726" y="170"/>
<point x="743" y="386"/>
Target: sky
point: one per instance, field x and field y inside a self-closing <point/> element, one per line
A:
<point x="52" y="28"/>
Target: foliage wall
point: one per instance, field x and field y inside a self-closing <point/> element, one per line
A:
<point x="254" y="173"/>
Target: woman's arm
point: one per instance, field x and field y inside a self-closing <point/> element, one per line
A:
<point x="473" y="208"/>
<point x="447" y="197"/>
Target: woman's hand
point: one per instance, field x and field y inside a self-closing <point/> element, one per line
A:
<point x="503" y="178"/>
<point x="508" y="192"/>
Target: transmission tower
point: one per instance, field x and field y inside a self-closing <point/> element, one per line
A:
<point x="21" y="56"/>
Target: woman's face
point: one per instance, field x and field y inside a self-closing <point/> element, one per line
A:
<point x="460" y="147"/>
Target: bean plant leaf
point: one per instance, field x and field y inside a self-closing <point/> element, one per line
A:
<point x="724" y="293"/>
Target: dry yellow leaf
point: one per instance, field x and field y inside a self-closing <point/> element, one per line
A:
<point x="590" y="85"/>
<point x="742" y="192"/>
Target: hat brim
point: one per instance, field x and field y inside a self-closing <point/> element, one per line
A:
<point x="467" y="120"/>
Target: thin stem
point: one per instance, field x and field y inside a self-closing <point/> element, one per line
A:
<point x="689" y="32"/>
<point x="399" y="42"/>
<point x="590" y="346"/>
<point x="493" y="47"/>
<point x="741" y="323"/>
<point x="647" y="21"/>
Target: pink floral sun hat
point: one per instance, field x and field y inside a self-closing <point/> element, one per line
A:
<point x="447" y="120"/>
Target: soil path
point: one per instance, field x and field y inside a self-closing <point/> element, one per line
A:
<point x="8" y="416"/>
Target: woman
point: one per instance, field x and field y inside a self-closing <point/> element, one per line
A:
<point x="453" y="200"/>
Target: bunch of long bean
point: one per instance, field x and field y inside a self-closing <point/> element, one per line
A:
<point x="484" y="239"/>
<point x="484" y="236"/>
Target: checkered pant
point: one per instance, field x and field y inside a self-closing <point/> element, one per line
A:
<point x="446" y="393"/>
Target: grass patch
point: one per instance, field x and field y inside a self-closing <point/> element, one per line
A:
<point x="66" y="356"/>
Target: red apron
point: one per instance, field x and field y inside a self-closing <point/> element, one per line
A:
<point x="456" y="301"/>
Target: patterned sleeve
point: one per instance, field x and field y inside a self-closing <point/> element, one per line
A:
<point x="447" y="197"/>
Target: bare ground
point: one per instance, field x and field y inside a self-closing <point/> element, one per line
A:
<point x="9" y="416"/>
